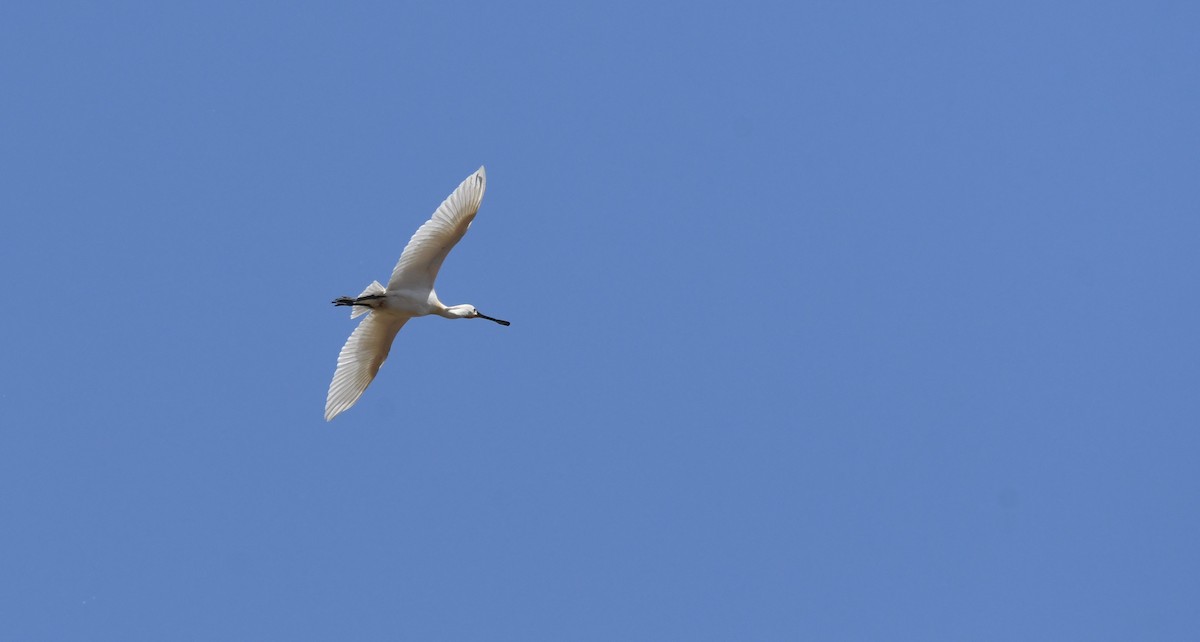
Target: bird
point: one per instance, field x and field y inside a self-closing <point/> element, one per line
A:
<point x="409" y="293"/>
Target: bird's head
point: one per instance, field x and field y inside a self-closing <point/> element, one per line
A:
<point x="467" y="311"/>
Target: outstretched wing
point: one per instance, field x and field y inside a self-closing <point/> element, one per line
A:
<point x="365" y="350"/>
<point x="423" y="256"/>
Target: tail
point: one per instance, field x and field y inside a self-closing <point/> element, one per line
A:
<point x="359" y="306"/>
<point x="375" y="290"/>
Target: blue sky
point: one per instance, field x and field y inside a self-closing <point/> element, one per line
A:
<point x="831" y="321"/>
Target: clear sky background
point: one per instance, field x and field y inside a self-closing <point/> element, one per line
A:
<point x="831" y="321"/>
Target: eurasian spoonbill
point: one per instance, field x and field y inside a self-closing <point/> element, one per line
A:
<point x="409" y="293"/>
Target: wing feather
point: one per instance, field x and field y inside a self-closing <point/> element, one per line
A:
<point x="365" y="350"/>
<point x="422" y="257"/>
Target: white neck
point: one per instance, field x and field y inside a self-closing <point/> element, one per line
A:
<point x="456" y="311"/>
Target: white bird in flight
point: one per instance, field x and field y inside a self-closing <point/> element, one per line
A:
<point x="409" y="293"/>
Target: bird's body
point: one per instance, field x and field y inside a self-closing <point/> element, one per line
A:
<point x="409" y="294"/>
<point x="399" y="303"/>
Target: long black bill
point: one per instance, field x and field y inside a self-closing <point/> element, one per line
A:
<point x="484" y="316"/>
